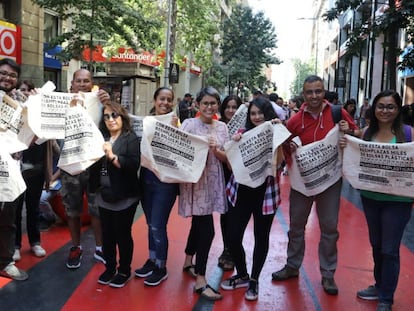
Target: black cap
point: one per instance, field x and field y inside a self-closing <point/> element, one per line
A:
<point x="188" y="95"/>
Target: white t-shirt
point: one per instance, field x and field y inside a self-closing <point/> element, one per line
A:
<point x="281" y="113"/>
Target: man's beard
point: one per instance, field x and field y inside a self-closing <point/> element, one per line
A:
<point x="6" y="90"/>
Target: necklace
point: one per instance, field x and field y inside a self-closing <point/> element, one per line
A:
<point x="112" y="139"/>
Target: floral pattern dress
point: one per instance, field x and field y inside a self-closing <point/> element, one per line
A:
<point x="208" y="195"/>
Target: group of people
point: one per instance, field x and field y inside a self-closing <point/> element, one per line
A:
<point x="36" y="164"/>
<point x="114" y="189"/>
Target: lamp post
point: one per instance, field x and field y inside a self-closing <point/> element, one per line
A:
<point x="226" y="68"/>
<point x="167" y="47"/>
<point x="316" y="37"/>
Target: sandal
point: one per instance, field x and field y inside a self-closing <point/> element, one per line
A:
<point x="201" y="291"/>
<point x="190" y="270"/>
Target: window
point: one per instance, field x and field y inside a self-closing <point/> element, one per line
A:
<point x="51" y="27"/>
<point x="2" y="14"/>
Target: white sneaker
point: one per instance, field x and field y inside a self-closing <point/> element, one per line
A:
<point x="12" y="272"/>
<point x="16" y="255"/>
<point x="38" y="251"/>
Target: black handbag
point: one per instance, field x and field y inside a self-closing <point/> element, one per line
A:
<point x="108" y="195"/>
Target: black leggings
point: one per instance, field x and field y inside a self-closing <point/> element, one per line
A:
<point x="199" y="241"/>
<point x="249" y="201"/>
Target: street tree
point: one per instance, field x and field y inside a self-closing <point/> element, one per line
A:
<point x="107" y="22"/>
<point x="248" y="45"/>
<point x="398" y="15"/>
<point x="302" y="70"/>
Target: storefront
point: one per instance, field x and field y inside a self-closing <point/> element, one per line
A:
<point x="130" y="77"/>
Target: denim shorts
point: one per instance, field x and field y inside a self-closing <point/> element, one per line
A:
<point x="72" y="191"/>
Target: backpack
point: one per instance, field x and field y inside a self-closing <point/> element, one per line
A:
<point x="407" y="133"/>
<point x="336" y="113"/>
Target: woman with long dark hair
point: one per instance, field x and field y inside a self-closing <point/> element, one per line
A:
<point x="386" y="214"/>
<point x="119" y="193"/>
<point x="227" y="110"/>
<point x="261" y="202"/>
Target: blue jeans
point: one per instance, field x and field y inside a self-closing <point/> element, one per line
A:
<point x="157" y="201"/>
<point x="386" y="222"/>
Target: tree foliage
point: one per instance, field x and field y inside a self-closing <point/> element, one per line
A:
<point x="109" y="22"/>
<point x="247" y="46"/>
<point x="398" y="15"/>
<point x="196" y="28"/>
<point x="302" y="70"/>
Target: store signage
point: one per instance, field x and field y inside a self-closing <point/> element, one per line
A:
<point x="124" y="55"/>
<point x="10" y="41"/>
<point x="50" y="59"/>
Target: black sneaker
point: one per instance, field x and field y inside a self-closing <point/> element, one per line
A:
<point x="120" y="280"/>
<point x="157" y="276"/>
<point x="99" y="256"/>
<point x="252" y="292"/>
<point x="74" y="259"/>
<point x="146" y="269"/>
<point x="106" y="277"/>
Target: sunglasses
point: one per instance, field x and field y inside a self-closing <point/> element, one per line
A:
<point x="113" y="115"/>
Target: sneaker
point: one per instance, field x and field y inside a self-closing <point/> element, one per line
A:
<point x="38" y="251"/>
<point x="74" y="259"/>
<point x="106" y="277"/>
<point x="156" y="277"/>
<point x="252" y="292"/>
<point x="120" y="280"/>
<point x="99" y="256"/>
<point x="16" y="255"/>
<point x="329" y="286"/>
<point x="12" y="272"/>
<point x="284" y="274"/>
<point x="234" y="282"/>
<point x="384" y="307"/>
<point x="146" y="269"/>
<point x="369" y="293"/>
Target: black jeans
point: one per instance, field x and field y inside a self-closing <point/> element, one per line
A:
<point x="116" y="232"/>
<point x="249" y="202"/>
<point x="199" y="241"/>
<point x="31" y="197"/>
<point x="7" y="232"/>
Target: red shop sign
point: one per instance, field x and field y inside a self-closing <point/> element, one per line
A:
<point x="10" y="41"/>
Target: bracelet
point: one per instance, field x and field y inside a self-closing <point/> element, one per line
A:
<point x="114" y="158"/>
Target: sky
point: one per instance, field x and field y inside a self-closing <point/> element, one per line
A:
<point x="293" y="34"/>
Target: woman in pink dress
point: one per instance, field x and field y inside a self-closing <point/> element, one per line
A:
<point x="199" y="200"/>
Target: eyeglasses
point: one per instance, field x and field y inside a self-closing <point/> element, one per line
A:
<point x="113" y="115"/>
<point x="311" y="92"/>
<point x="11" y="75"/>
<point x="389" y="107"/>
<point x="211" y="104"/>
